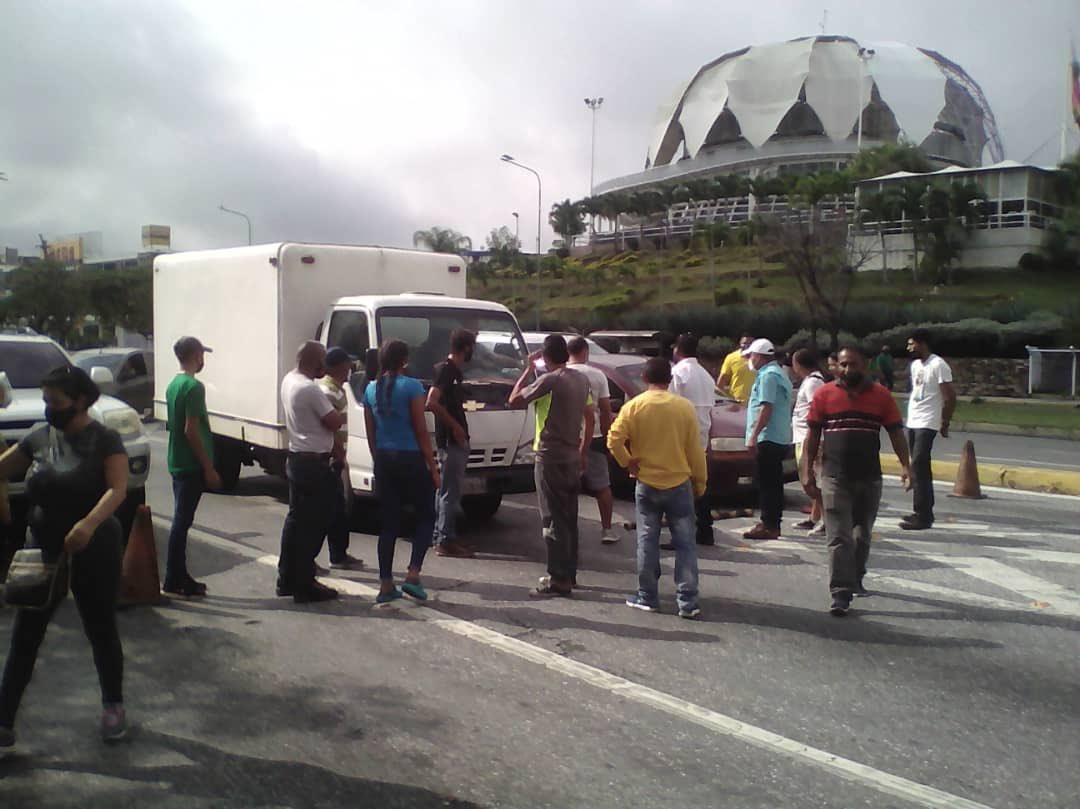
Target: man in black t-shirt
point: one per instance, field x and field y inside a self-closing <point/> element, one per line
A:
<point x="446" y="400"/>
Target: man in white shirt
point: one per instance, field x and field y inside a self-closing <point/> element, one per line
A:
<point x="930" y="409"/>
<point x="692" y="382"/>
<point x="805" y="365"/>
<point x="596" y="479"/>
<point x="311" y="422"/>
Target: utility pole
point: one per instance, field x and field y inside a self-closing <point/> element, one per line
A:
<point x="593" y="104"/>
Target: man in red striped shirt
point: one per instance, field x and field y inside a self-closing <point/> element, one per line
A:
<point x="848" y="415"/>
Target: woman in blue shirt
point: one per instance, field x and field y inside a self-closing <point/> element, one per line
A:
<point x="405" y="466"/>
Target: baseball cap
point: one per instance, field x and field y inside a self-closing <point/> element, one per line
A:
<point x="336" y="356"/>
<point x="186" y="346"/>
<point x="760" y="346"/>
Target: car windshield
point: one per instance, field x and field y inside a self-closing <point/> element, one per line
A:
<point x="88" y="361"/>
<point x="500" y="350"/>
<point x="26" y="364"/>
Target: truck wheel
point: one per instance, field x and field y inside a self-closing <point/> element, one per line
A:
<point x="126" y="513"/>
<point x="227" y="462"/>
<point x="481" y="507"/>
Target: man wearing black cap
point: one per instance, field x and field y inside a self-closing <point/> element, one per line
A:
<point x="338" y="365"/>
<point x="191" y="461"/>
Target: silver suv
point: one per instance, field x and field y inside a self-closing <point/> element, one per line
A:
<point x="27" y="360"/>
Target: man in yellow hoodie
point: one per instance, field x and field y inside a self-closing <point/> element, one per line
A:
<point x="656" y="438"/>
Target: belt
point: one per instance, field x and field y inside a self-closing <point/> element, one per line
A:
<point x="319" y="456"/>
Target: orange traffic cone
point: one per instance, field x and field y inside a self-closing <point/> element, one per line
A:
<point x="967" y="476"/>
<point x="139" y="582"/>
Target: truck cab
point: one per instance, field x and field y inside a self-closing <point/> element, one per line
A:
<point x="501" y="456"/>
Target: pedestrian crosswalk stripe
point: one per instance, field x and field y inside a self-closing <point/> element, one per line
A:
<point x="1060" y="599"/>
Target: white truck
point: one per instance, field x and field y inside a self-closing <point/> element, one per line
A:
<point x="255" y="306"/>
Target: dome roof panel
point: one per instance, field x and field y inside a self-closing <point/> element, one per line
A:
<point x="833" y="86"/>
<point x="765" y="83"/>
<point x="911" y="84"/>
<point x="704" y="102"/>
<point x="665" y="115"/>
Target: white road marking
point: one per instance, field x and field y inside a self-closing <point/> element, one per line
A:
<point x="1060" y="599"/>
<point x="1020" y="462"/>
<point x="951" y="593"/>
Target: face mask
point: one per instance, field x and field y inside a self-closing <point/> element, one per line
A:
<point x="59" y="417"/>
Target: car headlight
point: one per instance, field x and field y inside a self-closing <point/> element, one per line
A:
<point x="727" y="444"/>
<point x="126" y="422"/>
<point x="525" y="455"/>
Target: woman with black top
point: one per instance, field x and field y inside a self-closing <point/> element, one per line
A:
<point x="76" y="477"/>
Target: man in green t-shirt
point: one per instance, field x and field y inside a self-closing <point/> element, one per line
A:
<point x="191" y="461"/>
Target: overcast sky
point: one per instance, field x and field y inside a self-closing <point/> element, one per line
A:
<point x="365" y="121"/>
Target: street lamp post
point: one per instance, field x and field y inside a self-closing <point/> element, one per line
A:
<point x="539" y="214"/>
<point x="593" y="104"/>
<point x="865" y="55"/>
<point x="239" y="213"/>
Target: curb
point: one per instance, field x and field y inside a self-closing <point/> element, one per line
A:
<point x="1022" y="478"/>
<point x="1015" y="429"/>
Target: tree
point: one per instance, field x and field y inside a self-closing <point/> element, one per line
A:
<point x="887" y="159"/>
<point x="442" y="240"/>
<point x="883" y="207"/>
<point x="46" y="296"/>
<point x="567" y="219"/>
<point x="1061" y="243"/>
<point x="504" y="246"/>
<point x="818" y="255"/>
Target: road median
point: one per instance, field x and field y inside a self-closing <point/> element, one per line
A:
<point x="1022" y="478"/>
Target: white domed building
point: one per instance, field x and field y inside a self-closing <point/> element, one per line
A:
<point x="807" y="104"/>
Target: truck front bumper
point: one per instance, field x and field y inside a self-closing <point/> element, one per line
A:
<point x="500" y="480"/>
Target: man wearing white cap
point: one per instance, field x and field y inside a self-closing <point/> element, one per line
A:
<point x="768" y="431"/>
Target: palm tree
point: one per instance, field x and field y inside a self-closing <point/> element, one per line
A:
<point x="441" y="240"/>
<point x="883" y="206"/>
<point x="566" y="219"/>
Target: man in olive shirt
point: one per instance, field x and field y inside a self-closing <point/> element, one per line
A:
<point x="191" y="461"/>
<point x="563" y="404"/>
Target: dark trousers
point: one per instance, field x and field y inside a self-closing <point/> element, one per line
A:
<point x="770" y="481"/>
<point x="921" y="443"/>
<point x="558" y="484"/>
<point x="851" y="506"/>
<point x="311" y="505"/>
<point x="337" y="536"/>
<point x="95" y="581"/>
<point x="400" y="478"/>
<point x="187" y="491"/>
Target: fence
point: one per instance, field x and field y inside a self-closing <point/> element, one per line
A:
<point x="1052" y="370"/>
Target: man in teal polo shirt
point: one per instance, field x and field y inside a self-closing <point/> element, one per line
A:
<point x="768" y="432"/>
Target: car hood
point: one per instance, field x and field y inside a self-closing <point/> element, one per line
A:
<point x="27" y="406"/>
<point x="728" y="420"/>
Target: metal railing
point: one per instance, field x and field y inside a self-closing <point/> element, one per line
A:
<point x="1056" y="372"/>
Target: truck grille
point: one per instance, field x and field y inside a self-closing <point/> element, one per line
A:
<point x="495" y="456"/>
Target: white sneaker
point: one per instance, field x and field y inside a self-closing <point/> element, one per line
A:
<point x="609" y="537"/>
<point x="818" y="531"/>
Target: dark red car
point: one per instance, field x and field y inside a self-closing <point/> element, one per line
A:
<point x="731" y="464"/>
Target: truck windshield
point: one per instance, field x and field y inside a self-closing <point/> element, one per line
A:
<point x="500" y="351"/>
<point x="26" y="364"/>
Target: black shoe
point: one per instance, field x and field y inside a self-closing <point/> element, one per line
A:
<point x="860" y="591"/>
<point x="916" y="525"/>
<point x="706" y="538"/>
<point x="187" y="589"/>
<point x="840" y="606"/>
<point x="283" y="590"/>
<point x="315" y="593"/>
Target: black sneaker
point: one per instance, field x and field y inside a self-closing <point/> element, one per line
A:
<point x="706" y="537"/>
<point x="283" y="591"/>
<point x="314" y="594"/>
<point x="916" y="525"/>
<point x="840" y="606"/>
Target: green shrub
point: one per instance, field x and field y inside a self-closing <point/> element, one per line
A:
<point x="729" y="296"/>
<point x="801" y="339"/>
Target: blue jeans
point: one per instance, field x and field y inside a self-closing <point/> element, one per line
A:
<point x="311" y="507"/>
<point x="402" y="477"/>
<point x="187" y="491"/>
<point x="678" y="506"/>
<point x="453" y="460"/>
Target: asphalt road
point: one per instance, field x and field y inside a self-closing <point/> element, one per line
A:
<point x="1002" y="450"/>
<point x="956" y="684"/>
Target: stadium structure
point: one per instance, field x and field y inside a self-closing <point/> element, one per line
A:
<point x="809" y="104"/>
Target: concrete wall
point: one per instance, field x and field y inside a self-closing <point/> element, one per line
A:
<point x="976" y="376"/>
<point x="990" y="249"/>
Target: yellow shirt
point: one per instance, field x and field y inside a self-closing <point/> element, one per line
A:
<point x="662" y="432"/>
<point x="737" y="368"/>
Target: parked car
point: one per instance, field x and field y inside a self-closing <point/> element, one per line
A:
<point x="132" y="370"/>
<point x="534" y="340"/>
<point x="27" y="360"/>
<point x="731" y="464"/>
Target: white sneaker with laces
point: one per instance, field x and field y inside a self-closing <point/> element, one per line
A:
<point x="608" y="536"/>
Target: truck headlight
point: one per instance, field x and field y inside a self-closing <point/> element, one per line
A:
<point x="727" y="444"/>
<point x="525" y="455"/>
<point x="126" y="422"/>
